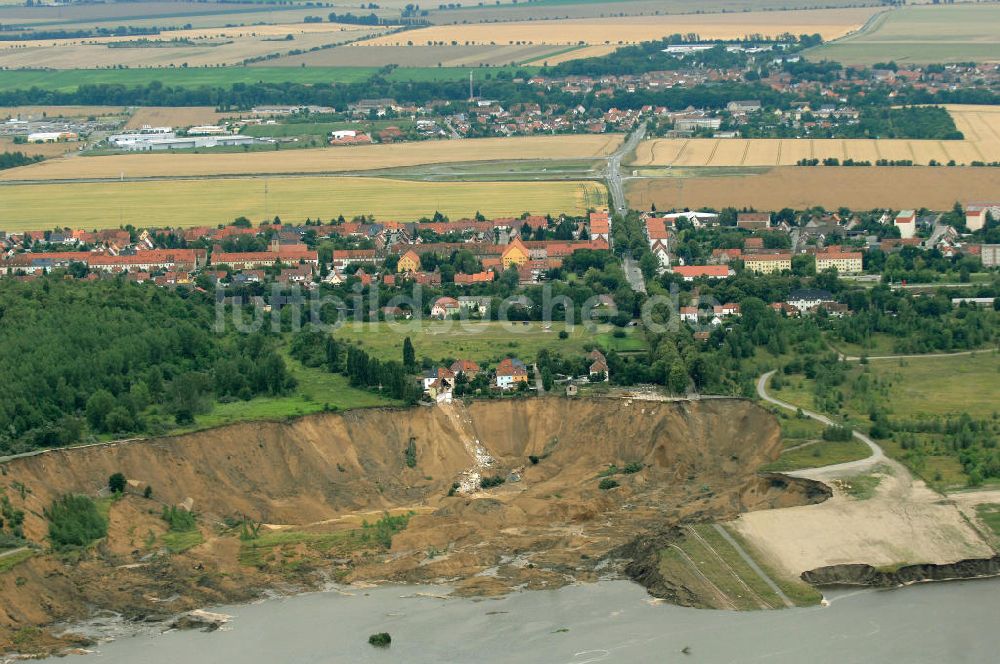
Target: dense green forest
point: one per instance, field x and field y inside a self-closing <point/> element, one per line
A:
<point x="81" y="360"/>
<point x="930" y="122"/>
<point x="15" y="159"/>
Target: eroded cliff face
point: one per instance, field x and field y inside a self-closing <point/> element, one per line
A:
<point x="316" y="479"/>
<point x="866" y="575"/>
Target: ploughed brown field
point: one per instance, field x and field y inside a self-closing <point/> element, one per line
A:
<point x="800" y="187"/>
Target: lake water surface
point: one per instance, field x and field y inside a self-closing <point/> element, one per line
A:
<point x="612" y="621"/>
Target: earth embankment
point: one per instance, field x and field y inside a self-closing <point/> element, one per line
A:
<point x="298" y="504"/>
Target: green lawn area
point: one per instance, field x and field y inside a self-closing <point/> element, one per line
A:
<point x="797" y="430"/>
<point x="315" y="391"/>
<point x="482" y="341"/>
<point x="989" y="514"/>
<point x="862" y="487"/>
<point x="179" y="542"/>
<point x="194" y="77"/>
<point x="10" y="561"/>
<point x="878" y="344"/>
<point x="285" y="129"/>
<point x="821" y="453"/>
<point x="919" y="386"/>
<point x="717" y="560"/>
<point x="796" y="390"/>
<point x="943" y="385"/>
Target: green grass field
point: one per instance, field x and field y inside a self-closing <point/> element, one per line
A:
<point x="286" y="129"/>
<point x="181" y="542"/>
<point x="481" y="341"/>
<point x="925" y="34"/>
<point x="820" y="453"/>
<point x="915" y="388"/>
<point x="66" y="80"/>
<point x="989" y="514"/>
<point x="800" y="592"/>
<point x="182" y="202"/>
<point x="726" y="570"/>
<point x="316" y="390"/>
<point x="943" y="385"/>
<point x="11" y="560"/>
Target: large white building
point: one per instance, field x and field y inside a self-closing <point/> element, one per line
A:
<point x="975" y="214"/>
<point x="906" y="222"/>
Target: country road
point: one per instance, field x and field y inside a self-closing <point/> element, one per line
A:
<point x="633" y="274"/>
<point x="878" y="456"/>
<point x="613" y="173"/>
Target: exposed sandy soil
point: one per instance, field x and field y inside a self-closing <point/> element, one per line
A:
<point x="548" y="525"/>
<point x="800" y="187"/>
<point x="320" y="160"/>
<point x="904" y="522"/>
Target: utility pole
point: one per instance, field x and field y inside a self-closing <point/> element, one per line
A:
<point x="471" y="96"/>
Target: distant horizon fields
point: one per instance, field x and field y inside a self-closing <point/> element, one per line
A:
<point x="921" y="35"/>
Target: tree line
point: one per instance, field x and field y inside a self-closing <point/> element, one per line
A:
<point x="317" y="349"/>
<point x="82" y="360"/>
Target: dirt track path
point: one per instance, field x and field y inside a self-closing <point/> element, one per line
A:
<point x="852" y="358"/>
<point x="748" y="559"/>
<point x="877" y="457"/>
<point x="13" y="551"/>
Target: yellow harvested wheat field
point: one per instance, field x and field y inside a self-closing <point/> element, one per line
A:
<point x="981" y="126"/>
<point x="830" y="23"/>
<point x="319" y="160"/>
<point x="175" y="116"/>
<point x="594" y="51"/>
<point x="696" y="152"/>
<point x="7" y="144"/>
<point x="215" y="201"/>
<point x="201" y="52"/>
<point x="233" y="32"/>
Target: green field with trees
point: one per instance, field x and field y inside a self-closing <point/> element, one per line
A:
<point x="938" y="415"/>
